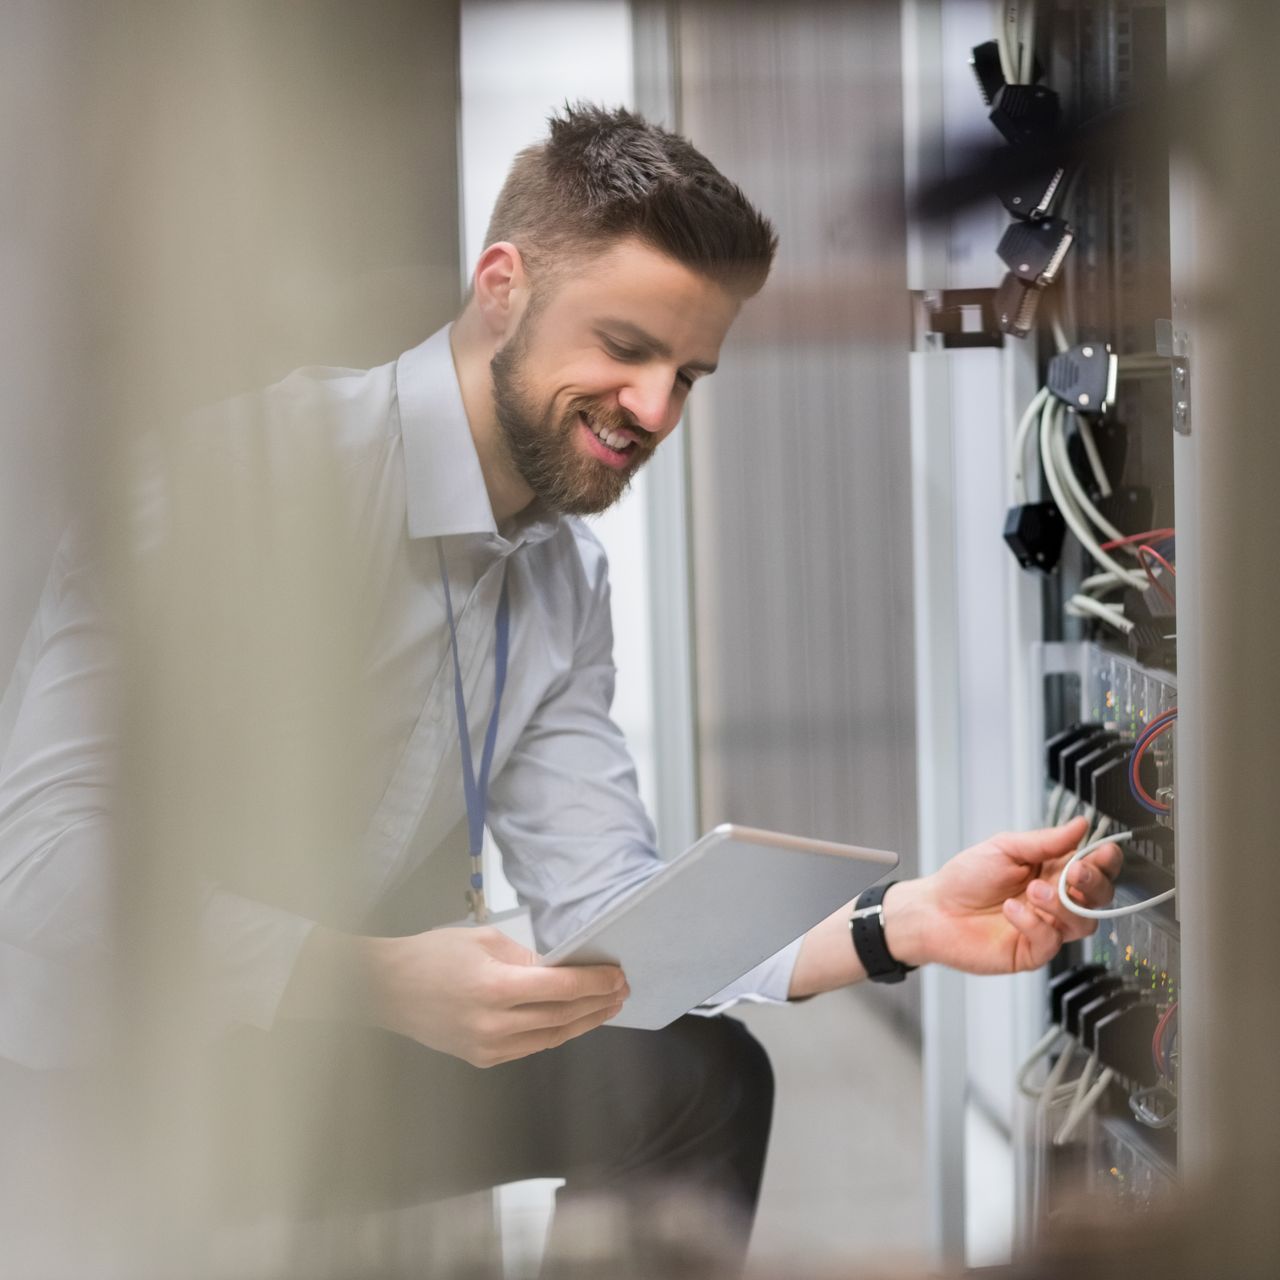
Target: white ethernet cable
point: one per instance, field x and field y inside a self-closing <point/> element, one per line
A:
<point x="1027" y="39"/>
<point x="1062" y="463"/>
<point x="1095" y="458"/>
<point x="1044" y="1046"/>
<point x="1086" y="1098"/>
<point x="1084" y="1091"/>
<point x="1075" y="521"/>
<point x="1025" y="425"/>
<point x="1099" y="584"/>
<point x="1016" y="39"/>
<point x="1104" y="913"/>
<point x="1007" y="67"/>
<point x="1079" y="606"/>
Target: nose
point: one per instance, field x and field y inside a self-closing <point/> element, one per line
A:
<point x="649" y="397"/>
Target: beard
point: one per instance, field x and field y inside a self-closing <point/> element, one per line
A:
<point x="540" y="443"/>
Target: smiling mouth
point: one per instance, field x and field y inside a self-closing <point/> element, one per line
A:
<point x="617" y="442"/>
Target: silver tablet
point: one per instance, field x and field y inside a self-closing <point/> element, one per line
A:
<point x="733" y="899"/>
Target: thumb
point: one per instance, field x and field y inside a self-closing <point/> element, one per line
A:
<point x="1031" y="848"/>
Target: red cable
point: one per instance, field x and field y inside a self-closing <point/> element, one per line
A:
<point x="1157" y="1040"/>
<point x="1143" y="552"/>
<point x="1151" y="535"/>
<point x="1157" y="726"/>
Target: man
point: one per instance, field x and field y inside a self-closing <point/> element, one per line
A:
<point x="617" y="260"/>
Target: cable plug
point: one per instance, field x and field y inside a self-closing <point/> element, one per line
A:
<point x="1128" y="507"/>
<point x="1153" y="640"/>
<point x="1035" y="251"/>
<point x="1109" y="787"/>
<point x="1084" y="377"/>
<point x="1016" y="304"/>
<point x="1076" y="753"/>
<point x="1031" y="196"/>
<point x="984" y="59"/>
<point x="1026" y="114"/>
<point x="1057" y="744"/>
<point x="1123" y="1040"/>
<point x="1034" y="533"/>
<point x="1062" y="984"/>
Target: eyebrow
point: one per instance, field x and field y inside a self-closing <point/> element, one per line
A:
<point x="647" y="342"/>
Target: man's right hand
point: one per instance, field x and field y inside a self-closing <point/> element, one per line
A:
<point x="478" y="995"/>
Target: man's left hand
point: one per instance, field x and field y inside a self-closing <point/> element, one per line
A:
<point x="991" y="909"/>
<point x="994" y="907"/>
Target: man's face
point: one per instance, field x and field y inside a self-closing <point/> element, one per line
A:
<point x="595" y="377"/>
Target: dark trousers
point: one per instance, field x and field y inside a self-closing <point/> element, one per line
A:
<point x="379" y="1120"/>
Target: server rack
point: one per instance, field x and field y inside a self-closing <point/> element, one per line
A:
<point x="1078" y="267"/>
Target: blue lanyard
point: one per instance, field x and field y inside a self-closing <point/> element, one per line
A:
<point x="477" y="793"/>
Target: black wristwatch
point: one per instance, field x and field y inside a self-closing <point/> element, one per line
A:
<point x="866" y="925"/>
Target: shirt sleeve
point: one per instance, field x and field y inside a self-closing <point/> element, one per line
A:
<point x="58" y="831"/>
<point x="566" y="809"/>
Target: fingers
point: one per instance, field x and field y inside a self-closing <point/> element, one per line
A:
<point x="1038" y="939"/>
<point x="1108" y="860"/>
<point x="1089" y="881"/>
<point x="523" y="981"/>
<point x="1031" y="848"/>
<point x="537" y="984"/>
<point x="1086" y="885"/>
<point x="531" y="1017"/>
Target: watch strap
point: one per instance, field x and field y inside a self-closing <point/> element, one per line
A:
<point x="866" y="926"/>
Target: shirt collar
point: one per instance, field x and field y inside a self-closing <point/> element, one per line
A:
<point x="444" y="486"/>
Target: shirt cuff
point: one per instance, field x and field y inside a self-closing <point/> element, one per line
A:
<point x="250" y="952"/>
<point x="768" y="983"/>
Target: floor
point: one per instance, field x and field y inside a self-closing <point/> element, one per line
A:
<point x="845" y="1177"/>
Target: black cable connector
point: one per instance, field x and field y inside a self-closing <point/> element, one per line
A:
<point x="1056" y="745"/>
<point x="1035" y="251"/>
<point x="1122" y="1040"/>
<point x="1031" y="196"/>
<point x="984" y="59"/>
<point x="1034" y="533"/>
<point x="1026" y="114"/>
<point x="1129" y="506"/>
<point x="1109" y="791"/>
<point x="1154" y="639"/>
<point x="1084" y="377"/>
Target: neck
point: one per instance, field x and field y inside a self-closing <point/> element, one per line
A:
<point x="473" y="347"/>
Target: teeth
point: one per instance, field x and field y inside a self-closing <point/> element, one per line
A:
<point x="607" y="434"/>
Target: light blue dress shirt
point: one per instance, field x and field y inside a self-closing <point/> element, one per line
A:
<point x="564" y="807"/>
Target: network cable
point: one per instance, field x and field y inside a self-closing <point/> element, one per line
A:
<point x="1105" y="913"/>
<point x="1160" y="725"/>
<point x="1047" y="415"/>
<point x="1016" y="38"/>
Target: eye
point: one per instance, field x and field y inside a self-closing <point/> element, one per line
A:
<point x="685" y="380"/>
<point x="619" y="352"/>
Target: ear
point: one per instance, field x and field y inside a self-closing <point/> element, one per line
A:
<point x="501" y="288"/>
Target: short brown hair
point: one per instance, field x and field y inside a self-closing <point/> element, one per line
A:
<point x="602" y="175"/>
